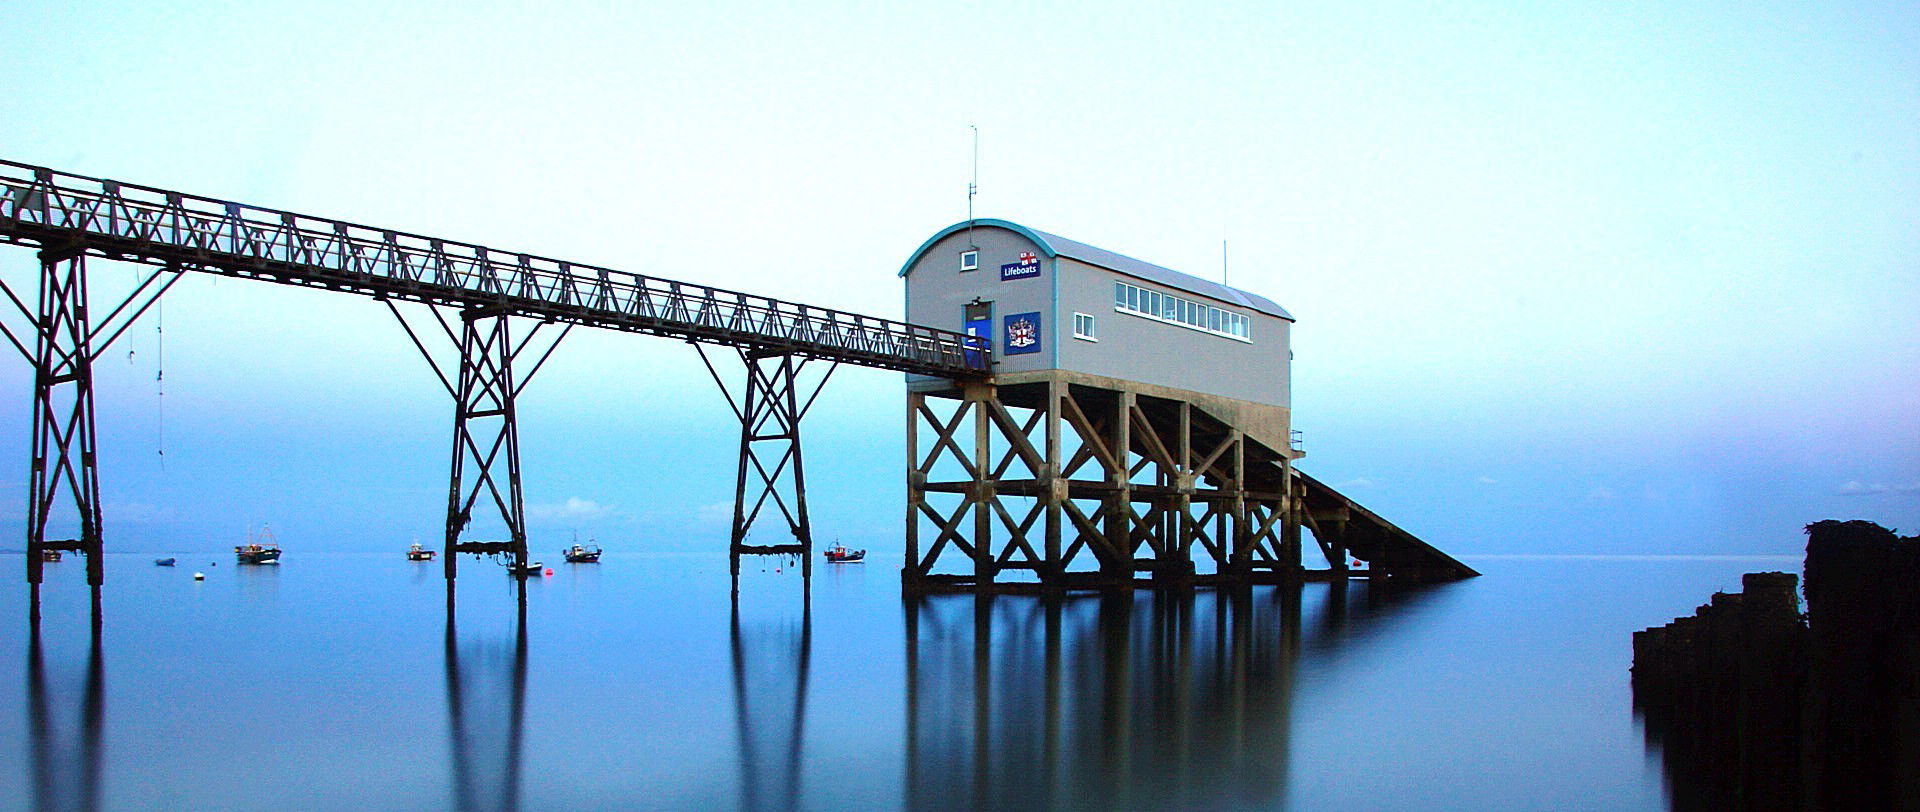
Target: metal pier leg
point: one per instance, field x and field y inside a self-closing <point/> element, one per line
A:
<point x="771" y="467"/>
<point x="483" y="390"/>
<point x="486" y="438"/>
<point x="63" y="424"/>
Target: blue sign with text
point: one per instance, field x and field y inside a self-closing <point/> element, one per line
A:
<point x="1027" y="268"/>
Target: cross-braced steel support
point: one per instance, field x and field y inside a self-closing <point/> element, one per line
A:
<point x="486" y="436"/>
<point x="65" y="466"/>
<point x="64" y="447"/>
<point x="771" y="469"/>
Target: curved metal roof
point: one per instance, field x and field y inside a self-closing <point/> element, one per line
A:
<point x="1054" y="245"/>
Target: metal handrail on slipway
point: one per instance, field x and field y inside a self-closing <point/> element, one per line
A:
<point x="124" y="221"/>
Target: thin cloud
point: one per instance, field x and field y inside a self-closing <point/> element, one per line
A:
<point x="1358" y="482"/>
<point x="140" y="513"/>
<point x="1486" y="480"/>
<point x="718" y="514"/>
<point x="574" y="509"/>
<point x="1857" y="488"/>
<point x="1600" y="493"/>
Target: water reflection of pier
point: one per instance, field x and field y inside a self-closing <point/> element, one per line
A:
<point x="65" y="757"/>
<point x="486" y="701"/>
<point x="770" y="672"/>
<point x="1123" y="700"/>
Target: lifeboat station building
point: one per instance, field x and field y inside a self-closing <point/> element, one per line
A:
<point x="1135" y="430"/>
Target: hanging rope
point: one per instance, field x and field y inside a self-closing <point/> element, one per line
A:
<point x="160" y="380"/>
<point x="136" y="280"/>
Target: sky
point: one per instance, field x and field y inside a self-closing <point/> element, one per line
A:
<point x="1583" y="278"/>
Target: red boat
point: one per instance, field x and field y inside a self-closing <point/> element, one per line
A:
<point x="839" y="554"/>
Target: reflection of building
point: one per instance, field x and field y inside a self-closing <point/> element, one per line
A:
<point x="486" y="699"/>
<point x="770" y="665"/>
<point x="65" y="757"/>
<point x="1114" y="701"/>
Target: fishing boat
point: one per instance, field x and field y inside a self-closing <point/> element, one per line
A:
<point x="163" y="562"/>
<point x="260" y="549"/>
<point x="839" y="554"/>
<point x="588" y="553"/>
<point x="49" y="555"/>
<point x="418" y="553"/>
<point x="532" y="568"/>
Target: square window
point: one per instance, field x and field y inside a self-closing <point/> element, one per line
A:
<point x="969" y="260"/>
<point x="1083" y="327"/>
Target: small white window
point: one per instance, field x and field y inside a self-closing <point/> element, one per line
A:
<point x="969" y="260"/>
<point x="1083" y="327"/>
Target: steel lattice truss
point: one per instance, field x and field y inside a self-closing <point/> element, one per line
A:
<point x="71" y="218"/>
<point x="105" y="218"/>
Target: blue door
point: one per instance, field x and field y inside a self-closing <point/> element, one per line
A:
<point x="979" y="324"/>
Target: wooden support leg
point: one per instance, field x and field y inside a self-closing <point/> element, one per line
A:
<point x="1053" y="487"/>
<point x="1119" y="507"/>
<point x="911" y="579"/>
<point x="982" y="496"/>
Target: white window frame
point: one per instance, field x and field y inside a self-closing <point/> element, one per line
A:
<point x="970" y="260"/>
<point x="1093" y="327"/>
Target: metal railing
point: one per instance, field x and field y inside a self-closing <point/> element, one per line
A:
<point x="57" y="210"/>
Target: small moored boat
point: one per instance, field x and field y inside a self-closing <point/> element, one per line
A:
<point x="163" y="562"/>
<point x="261" y="549"/>
<point x="588" y="553"/>
<point x="839" y="554"/>
<point x="531" y="569"/>
<point x="49" y="555"/>
<point x="418" y="553"/>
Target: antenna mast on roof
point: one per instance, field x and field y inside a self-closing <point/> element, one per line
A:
<point x="1223" y="262"/>
<point x="973" y="186"/>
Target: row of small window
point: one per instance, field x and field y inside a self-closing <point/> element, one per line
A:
<point x="1167" y="307"/>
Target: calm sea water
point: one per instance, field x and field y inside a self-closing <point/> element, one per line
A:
<point x="334" y="681"/>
